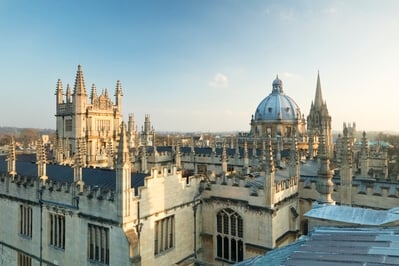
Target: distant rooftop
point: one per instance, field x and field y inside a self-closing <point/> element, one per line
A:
<point x="103" y="178"/>
<point x="355" y="216"/>
<point x="331" y="246"/>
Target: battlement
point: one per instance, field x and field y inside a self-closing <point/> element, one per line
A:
<point x="370" y="193"/>
<point x="90" y="200"/>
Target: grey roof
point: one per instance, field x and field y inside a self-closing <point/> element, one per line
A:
<point x="103" y="178"/>
<point x="354" y="215"/>
<point x="337" y="246"/>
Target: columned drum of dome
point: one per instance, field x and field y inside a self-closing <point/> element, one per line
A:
<point x="277" y="115"/>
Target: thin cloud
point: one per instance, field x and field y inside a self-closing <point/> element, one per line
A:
<point x="290" y="75"/>
<point x="219" y="81"/>
<point x="287" y="14"/>
<point x="329" y="10"/>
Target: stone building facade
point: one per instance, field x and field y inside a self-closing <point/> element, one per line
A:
<point x="236" y="203"/>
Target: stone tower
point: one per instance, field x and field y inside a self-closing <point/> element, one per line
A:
<point x="92" y="123"/>
<point x="319" y="122"/>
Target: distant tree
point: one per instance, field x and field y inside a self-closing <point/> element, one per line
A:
<point x="5" y="139"/>
<point x="28" y="135"/>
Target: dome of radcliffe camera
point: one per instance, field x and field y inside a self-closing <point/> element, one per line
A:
<point x="277" y="105"/>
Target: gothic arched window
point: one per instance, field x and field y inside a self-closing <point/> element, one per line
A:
<point x="229" y="238"/>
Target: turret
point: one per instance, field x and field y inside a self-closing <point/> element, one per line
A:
<point x="11" y="159"/>
<point x="59" y="151"/>
<point x="79" y="98"/>
<point x="178" y="156"/>
<point x="110" y="153"/>
<point x="41" y="161"/>
<point x="346" y="169"/>
<point x="68" y="94"/>
<point x="269" y="169"/>
<point x="324" y="184"/>
<point x="254" y="146"/>
<point x="147" y="124"/>
<point x="118" y="95"/>
<point x="246" y="159"/>
<point x="364" y="156"/>
<point x="123" y="175"/>
<point x="294" y="160"/>
<point x="59" y="92"/>
<point x="93" y="94"/>
<point x="143" y="159"/>
<point x="224" y="159"/>
<point x="131" y="131"/>
<point x="77" y="166"/>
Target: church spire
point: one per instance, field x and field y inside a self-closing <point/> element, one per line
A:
<point x="80" y="88"/>
<point x="318" y="100"/>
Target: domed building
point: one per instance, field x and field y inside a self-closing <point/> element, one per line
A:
<point x="277" y="115"/>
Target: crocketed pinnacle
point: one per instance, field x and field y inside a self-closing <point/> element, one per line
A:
<point x="123" y="150"/>
<point x="118" y="89"/>
<point x="269" y="161"/>
<point x="80" y="88"/>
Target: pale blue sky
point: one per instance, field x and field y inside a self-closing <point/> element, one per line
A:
<point x="202" y="65"/>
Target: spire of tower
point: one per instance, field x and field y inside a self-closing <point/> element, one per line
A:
<point x="80" y="88"/>
<point x="123" y="150"/>
<point x="318" y="100"/>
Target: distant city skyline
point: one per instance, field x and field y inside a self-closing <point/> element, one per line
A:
<point x="202" y="65"/>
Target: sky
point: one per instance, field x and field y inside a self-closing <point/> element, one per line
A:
<point x="202" y="65"/>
